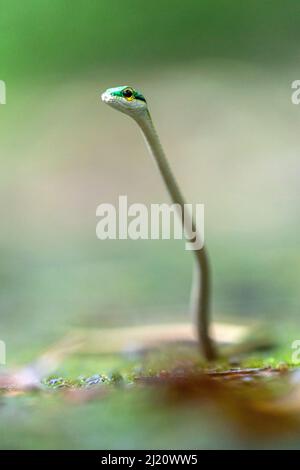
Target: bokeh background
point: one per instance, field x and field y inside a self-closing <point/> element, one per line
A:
<point x="217" y="76"/>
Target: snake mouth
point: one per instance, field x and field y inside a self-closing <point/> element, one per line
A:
<point x="106" y="97"/>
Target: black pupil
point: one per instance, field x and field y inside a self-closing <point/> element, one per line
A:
<point x="127" y="93"/>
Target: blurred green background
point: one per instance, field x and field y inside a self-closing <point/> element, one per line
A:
<point x="217" y="76"/>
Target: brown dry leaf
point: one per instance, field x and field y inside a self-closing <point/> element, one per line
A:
<point x="287" y="404"/>
<point x="118" y="340"/>
<point x="231" y="394"/>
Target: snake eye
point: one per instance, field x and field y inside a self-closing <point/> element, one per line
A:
<point x="128" y="94"/>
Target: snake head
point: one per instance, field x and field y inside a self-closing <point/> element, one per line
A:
<point x="125" y="99"/>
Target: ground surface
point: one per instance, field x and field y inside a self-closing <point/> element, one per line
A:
<point x="166" y="399"/>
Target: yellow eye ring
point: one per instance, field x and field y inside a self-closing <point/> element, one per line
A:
<point x="128" y="94"/>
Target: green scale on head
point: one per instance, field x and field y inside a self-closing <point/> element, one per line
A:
<point x="126" y="92"/>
